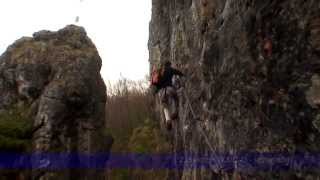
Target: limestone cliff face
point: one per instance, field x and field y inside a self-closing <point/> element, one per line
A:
<point x="252" y="76"/>
<point x="57" y="75"/>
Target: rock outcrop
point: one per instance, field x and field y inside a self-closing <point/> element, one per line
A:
<point x="57" y="76"/>
<point x="252" y="77"/>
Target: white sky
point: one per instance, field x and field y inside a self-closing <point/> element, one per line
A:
<point x="119" y="28"/>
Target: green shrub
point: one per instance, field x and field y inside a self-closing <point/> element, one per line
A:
<point x="15" y="129"/>
<point x="147" y="139"/>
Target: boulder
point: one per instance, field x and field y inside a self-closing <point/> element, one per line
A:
<point x="57" y="76"/>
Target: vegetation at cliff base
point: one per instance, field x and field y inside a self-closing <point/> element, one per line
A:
<point x="15" y="129"/>
<point x="135" y="127"/>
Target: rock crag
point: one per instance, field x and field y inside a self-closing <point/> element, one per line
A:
<point x="57" y="76"/>
<point x="253" y="81"/>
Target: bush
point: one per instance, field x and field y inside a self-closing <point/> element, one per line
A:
<point x="15" y="129"/>
<point x="148" y="139"/>
<point x="131" y="119"/>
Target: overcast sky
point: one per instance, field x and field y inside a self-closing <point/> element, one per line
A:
<point x="119" y="28"/>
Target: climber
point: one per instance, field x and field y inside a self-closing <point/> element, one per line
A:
<point x="162" y="80"/>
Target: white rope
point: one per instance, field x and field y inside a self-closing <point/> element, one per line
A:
<point x="206" y="138"/>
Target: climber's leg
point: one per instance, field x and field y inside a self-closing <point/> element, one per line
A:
<point x="169" y="103"/>
<point x="174" y="111"/>
<point x="172" y="102"/>
<point x="163" y="95"/>
<point x="167" y="118"/>
<point x="167" y="114"/>
<point x="165" y="108"/>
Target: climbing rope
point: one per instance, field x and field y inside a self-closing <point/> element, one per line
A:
<point x="206" y="138"/>
<point x="189" y="104"/>
<point x="196" y="118"/>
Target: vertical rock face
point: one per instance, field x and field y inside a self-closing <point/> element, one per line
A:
<point x="252" y="76"/>
<point x="57" y="75"/>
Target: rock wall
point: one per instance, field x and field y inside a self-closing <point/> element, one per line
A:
<point x="253" y="78"/>
<point x="57" y="75"/>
